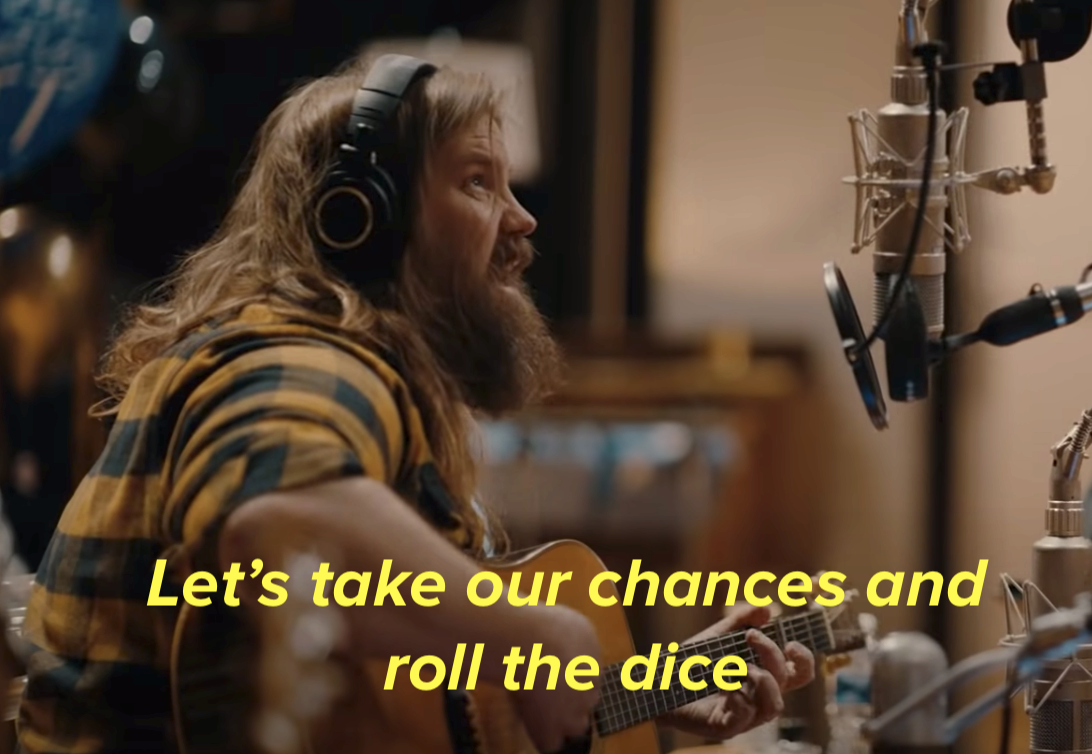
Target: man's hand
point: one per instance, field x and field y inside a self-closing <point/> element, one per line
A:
<point x="553" y="717"/>
<point x="729" y="713"/>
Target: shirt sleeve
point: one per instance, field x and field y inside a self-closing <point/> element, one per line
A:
<point x="276" y="418"/>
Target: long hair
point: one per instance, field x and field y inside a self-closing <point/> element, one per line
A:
<point x="264" y="252"/>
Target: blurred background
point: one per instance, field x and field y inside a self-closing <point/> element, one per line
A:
<point x="685" y="161"/>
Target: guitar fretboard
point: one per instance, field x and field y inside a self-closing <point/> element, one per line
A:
<point x="621" y="708"/>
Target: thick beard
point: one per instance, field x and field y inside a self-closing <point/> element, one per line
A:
<point x="487" y="335"/>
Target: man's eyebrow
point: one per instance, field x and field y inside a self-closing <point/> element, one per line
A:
<point x="481" y="157"/>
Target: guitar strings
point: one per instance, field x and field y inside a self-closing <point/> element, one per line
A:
<point x="621" y="708"/>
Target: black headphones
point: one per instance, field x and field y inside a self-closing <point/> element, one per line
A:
<point x="358" y="210"/>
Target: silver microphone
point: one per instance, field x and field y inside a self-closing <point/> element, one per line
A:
<point x="1059" y="700"/>
<point x="910" y="182"/>
<point x="903" y="663"/>
<point x="889" y="157"/>
<point x="890" y="151"/>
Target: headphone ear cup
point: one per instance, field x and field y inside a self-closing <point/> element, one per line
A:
<point x="383" y="193"/>
<point x="348" y="214"/>
<point x="344" y="215"/>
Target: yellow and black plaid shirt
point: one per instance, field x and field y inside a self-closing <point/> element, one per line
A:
<point x="258" y="403"/>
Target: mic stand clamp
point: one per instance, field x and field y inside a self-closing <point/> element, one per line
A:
<point x="1065" y="473"/>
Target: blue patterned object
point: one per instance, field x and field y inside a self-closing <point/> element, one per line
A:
<point x="56" y="57"/>
<point x="851" y="688"/>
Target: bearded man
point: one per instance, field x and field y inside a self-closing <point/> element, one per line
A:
<point x="281" y="383"/>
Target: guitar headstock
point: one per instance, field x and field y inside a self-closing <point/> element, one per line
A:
<point x="843" y="624"/>
<point x="833" y="629"/>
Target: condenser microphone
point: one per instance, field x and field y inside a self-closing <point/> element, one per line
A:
<point x="910" y="183"/>
<point x="905" y="173"/>
<point x="903" y="663"/>
<point x="1059" y="699"/>
<point x="892" y="157"/>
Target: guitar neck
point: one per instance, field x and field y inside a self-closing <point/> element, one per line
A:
<point x="622" y="708"/>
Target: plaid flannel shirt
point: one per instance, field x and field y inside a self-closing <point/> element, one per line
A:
<point x="258" y="403"/>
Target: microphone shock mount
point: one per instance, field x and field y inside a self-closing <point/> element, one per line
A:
<point x="912" y="237"/>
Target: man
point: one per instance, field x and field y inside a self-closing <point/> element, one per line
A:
<point x="264" y="394"/>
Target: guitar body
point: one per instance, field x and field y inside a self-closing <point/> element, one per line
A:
<point x="403" y="720"/>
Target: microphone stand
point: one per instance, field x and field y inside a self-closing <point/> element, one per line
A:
<point x="1051" y="638"/>
<point x="1045" y="658"/>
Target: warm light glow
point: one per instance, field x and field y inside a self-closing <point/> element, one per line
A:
<point x="140" y="31"/>
<point x="60" y="256"/>
<point x="9" y="222"/>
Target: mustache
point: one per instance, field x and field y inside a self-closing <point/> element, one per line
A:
<point x="512" y="257"/>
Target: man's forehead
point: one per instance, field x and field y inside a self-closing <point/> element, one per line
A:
<point x="483" y="141"/>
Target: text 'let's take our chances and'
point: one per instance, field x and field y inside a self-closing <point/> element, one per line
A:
<point x="486" y="588"/>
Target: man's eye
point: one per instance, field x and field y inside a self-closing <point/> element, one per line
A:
<point x="478" y="181"/>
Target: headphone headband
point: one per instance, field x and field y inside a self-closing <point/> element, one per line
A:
<point x="381" y="94"/>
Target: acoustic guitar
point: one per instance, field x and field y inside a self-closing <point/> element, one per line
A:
<point x="280" y="694"/>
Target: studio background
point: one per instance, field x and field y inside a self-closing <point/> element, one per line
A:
<point x="690" y="157"/>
